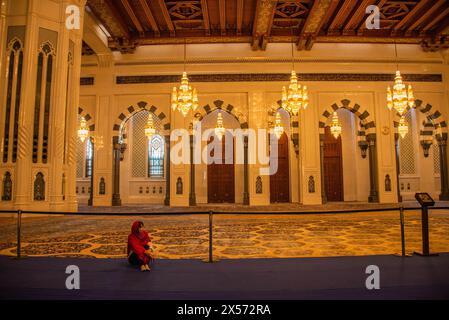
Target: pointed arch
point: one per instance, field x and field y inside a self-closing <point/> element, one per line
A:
<point x="219" y="105"/>
<point x="127" y="114"/>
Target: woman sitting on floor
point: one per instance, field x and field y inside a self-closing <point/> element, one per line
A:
<point x="139" y="247"/>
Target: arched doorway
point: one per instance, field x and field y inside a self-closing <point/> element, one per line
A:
<point x="143" y="169"/>
<point x="333" y="166"/>
<point x="349" y="163"/>
<point x="220" y="174"/>
<point x="222" y="181"/>
<point x="280" y="180"/>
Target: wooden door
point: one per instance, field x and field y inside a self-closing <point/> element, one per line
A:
<point x="333" y="167"/>
<point x="280" y="181"/>
<point x="220" y="177"/>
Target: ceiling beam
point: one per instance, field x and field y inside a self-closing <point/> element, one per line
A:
<point x="93" y="36"/>
<point x="362" y="27"/>
<point x="149" y="17"/>
<point x="319" y="13"/>
<point x="425" y="16"/>
<point x="129" y="10"/>
<point x="222" y="10"/>
<point x="411" y="15"/>
<point x="167" y="18"/>
<point x="239" y="16"/>
<point x="110" y="18"/>
<point x="357" y="18"/>
<point x="437" y="19"/>
<point x="206" y="20"/>
<point x="263" y="21"/>
<point x="339" y="20"/>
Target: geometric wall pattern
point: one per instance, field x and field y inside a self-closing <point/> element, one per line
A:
<point x="407" y="144"/>
<point x="139" y="147"/>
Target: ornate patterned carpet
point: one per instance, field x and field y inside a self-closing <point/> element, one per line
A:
<point x="235" y="236"/>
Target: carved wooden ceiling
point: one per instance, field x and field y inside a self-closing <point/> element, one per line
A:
<point x="131" y="23"/>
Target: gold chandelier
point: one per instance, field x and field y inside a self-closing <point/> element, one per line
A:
<point x="400" y="98"/>
<point x="402" y="128"/>
<point x="83" y="131"/>
<point x="220" y="129"/>
<point x="278" y="128"/>
<point x="296" y="97"/>
<point x="185" y="98"/>
<point x="150" y="131"/>
<point x="336" y="128"/>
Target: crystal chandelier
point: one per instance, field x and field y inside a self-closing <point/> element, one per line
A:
<point x="150" y="131"/>
<point x="278" y="128"/>
<point x="402" y="128"/>
<point x="336" y="126"/>
<point x="400" y="98"/>
<point x="185" y="98"/>
<point x="296" y="97"/>
<point x="220" y="129"/>
<point x="83" y="131"/>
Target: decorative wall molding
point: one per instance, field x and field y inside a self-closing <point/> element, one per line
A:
<point x="280" y="77"/>
<point x="87" y="81"/>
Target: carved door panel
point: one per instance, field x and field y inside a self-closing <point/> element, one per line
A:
<point x="333" y="167"/>
<point x="280" y="181"/>
<point x="221" y="178"/>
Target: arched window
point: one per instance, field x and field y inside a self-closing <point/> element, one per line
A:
<point x="84" y="156"/>
<point x="13" y="78"/>
<point x="89" y="157"/>
<point x="43" y="102"/>
<point x="407" y="146"/>
<point x="156" y="157"/>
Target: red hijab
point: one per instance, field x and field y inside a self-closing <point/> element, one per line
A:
<point x="137" y="241"/>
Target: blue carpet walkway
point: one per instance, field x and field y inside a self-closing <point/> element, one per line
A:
<point x="310" y="278"/>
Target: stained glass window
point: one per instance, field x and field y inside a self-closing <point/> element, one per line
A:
<point x="156" y="157"/>
<point x="89" y="157"/>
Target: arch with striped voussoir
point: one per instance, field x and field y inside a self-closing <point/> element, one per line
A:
<point x="367" y="125"/>
<point x="126" y="115"/>
<point x="434" y="125"/>
<point x="88" y="118"/>
<point x="220" y="105"/>
<point x="294" y="124"/>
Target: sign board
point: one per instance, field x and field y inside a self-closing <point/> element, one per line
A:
<point x="424" y="199"/>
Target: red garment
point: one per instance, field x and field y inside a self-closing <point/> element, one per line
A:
<point x="137" y="242"/>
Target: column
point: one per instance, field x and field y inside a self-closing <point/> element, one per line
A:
<point x="192" y="195"/>
<point x="245" y="172"/>
<point x="374" y="194"/>
<point x="323" y="189"/>
<point x="167" y="174"/>
<point x="116" y="201"/>
<point x="90" y="202"/>
<point x="398" y="167"/>
<point x="442" y="144"/>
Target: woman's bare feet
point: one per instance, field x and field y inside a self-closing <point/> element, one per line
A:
<point x="143" y="268"/>
<point x="147" y="267"/>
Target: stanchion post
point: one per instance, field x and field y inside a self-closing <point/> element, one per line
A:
<point x="211" y="247"/>
<point x="425" y="231"/>
<point x="401" y="212"/>
<point x="426" y="201"/>
<point x="19" y="228"/>
<point x="210" y="259"/>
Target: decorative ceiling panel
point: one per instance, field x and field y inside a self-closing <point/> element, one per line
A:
<point x="131" y="23"/>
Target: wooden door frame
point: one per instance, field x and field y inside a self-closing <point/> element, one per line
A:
<point x="289" y="172"/>
<point x="341" y="169"/>
<point x="233" y="173"/>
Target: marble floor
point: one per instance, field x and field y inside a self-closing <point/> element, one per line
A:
<point x="235" y="236"/>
